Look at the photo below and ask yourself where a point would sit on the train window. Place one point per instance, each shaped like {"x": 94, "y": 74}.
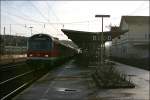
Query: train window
{"x": 40, "y": 44}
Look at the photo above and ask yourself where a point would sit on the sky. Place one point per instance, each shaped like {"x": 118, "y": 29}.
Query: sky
{"x": 51, "y": 16}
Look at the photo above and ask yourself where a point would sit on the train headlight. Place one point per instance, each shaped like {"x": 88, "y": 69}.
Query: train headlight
{"x": 46, "y": 55}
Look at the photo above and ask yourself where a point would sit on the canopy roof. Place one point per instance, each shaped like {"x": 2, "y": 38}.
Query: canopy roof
{"x": 79, "y": 37}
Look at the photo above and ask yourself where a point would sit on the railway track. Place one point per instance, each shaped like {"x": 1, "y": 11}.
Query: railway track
{"x": 7, "y": 66}
{"x": 10, "y": 70}
{"x": 14, "y": 78}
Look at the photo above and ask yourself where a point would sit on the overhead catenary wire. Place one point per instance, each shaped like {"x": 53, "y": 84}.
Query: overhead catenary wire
{"x": 19, "y": 25}
{"x": 41, "y": 23}
{"x": 48, "y": 22}
{"x": 23, "y": 18}
{"x": 137, "y": 9}
{"x": 43, "y": 16}
{"x": 50, "y": 7}
{"x": 28, "y": 18}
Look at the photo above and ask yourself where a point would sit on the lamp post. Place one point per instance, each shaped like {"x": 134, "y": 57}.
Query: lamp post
{"x": 102, "y": 38}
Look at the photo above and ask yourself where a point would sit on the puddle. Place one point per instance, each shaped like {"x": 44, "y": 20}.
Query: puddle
{"x": 68, "y": 78}
{"x": 117, "y": 96}
{"x": 69, "y": 90}
{"x": 132, "y": 75}
{"x": 68, "y": 67}
{"x": 61, "y": 89}
{"x": 44, "y": 99}
{"x": 66, "y": 90}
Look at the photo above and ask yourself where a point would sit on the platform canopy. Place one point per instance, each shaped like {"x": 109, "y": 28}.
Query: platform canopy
{"x": 79, "y": 37}
{"x": 75, "y": 35}
{"x": 83, "y": 36}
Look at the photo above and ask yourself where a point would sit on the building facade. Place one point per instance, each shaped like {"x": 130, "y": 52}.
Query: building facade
{"x": 90, "y": 45}
{"x": 133, "y": 44}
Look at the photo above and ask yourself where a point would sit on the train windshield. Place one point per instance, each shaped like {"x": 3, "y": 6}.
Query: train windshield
{"x": 39, "y": 44}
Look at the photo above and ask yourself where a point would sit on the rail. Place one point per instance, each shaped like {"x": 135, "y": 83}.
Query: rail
{"x": 10, "y": 84}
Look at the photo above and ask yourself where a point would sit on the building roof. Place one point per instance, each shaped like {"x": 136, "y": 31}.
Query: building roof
{"x": 75, "y": 35}
{"x": 82, "y": 35}
{"x": 135, "y": 19}
{"x": 116, "y": 31}
{"x": 79, "y": 37}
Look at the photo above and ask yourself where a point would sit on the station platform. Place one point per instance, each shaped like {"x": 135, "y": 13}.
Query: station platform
{"x": 71, "y": 82}
{"x": 68, "y": 82}
{"x": 137, "y": 76}
{"x": 6, "y": 59}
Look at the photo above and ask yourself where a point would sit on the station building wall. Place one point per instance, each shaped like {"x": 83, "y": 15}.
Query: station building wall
{"x": 134, "y": 43}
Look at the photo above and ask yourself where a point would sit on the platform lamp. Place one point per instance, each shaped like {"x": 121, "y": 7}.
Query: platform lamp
{"x": 102, "y": 38}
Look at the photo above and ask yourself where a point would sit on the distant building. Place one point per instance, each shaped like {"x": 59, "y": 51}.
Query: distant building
{"x": 10, "y": 44}
{"x": 135, "y": 42}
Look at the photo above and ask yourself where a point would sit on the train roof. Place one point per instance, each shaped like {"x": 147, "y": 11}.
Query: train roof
{"x": 53, "y": 38}
{"x": 40, "y": 34}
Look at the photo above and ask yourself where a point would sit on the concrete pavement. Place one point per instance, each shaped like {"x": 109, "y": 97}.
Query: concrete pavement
{"x": 68, "y": 82}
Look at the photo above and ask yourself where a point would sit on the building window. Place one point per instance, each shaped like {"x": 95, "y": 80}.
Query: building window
{"x": 109, "y": 38}
{"x": 145, "y": 35}
{"x": 94, "y": 37}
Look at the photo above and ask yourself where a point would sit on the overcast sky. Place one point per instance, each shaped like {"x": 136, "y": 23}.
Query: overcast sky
{"x": 51, "y": 16}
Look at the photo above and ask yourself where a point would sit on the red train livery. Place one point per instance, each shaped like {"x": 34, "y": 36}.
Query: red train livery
{"x": 45, "y": 49}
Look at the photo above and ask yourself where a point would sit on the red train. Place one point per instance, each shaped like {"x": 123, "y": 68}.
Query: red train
{"x": 45, "y": 49}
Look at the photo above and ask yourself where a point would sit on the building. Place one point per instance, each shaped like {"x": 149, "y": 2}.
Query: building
{"x": 134, "y": 43}
{"x": 89, "y": 43}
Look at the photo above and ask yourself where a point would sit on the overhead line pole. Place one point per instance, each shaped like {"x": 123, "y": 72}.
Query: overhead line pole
{"x": 102, "y": 39}
{"x": 31, "y": 30}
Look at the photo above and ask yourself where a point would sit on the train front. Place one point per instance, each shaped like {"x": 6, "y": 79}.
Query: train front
{"x": 39, "y": 49}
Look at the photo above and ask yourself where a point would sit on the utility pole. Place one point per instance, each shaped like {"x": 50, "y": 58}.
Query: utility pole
{"x": 102, "y": 39}
{"x": 10, "y": 29}
{"x": 4, "y": 40}
{"x": 4, "y": 36}
{"x": 63, "y": 26}
{"x": 1, "y": 45}
{"x": 10, "y": 34}
{"x": 31, "y": 30}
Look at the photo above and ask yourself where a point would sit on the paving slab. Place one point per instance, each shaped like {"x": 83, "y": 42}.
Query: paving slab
{"x": 69, "y": 83}
{"x": 138, "y": 76}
